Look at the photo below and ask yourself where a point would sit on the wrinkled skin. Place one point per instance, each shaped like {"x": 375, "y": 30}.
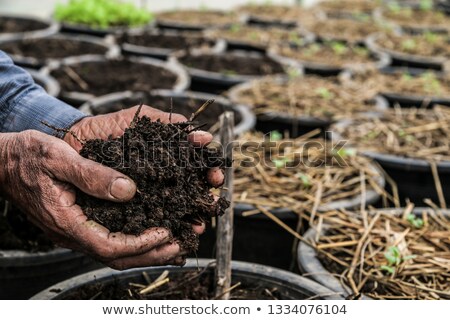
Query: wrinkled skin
{"x": 39, "y": 172}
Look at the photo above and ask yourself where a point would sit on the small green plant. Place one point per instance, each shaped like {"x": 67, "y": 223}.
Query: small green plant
{"x": 409, "y": 44}
{"x": 280, "y": 163}
{"x": 394, "y": 7}
{"x": 372, "y": 135}
{"x": 102, "y": 13}
{"x": 306, "y": 181}
{"x": 293, "y": 73}
{"x": 235, "y": 28}
{"x": 276, "y": 135}
{"x": 253, "y": 35}
{"x": 432, "y": 84}
{"x": 394, "y": 258}
{"x": 295, "y": 39}
{"x": 312, "y": 49}
{"x": 406, "y": 77}
{"x": 361, "y": 51}
{"x": 339, "y": 48}
{"x": 416, "y": 222}
{"x": 431, "y": 37}
{"x": 426, "y": 5}
{"x": 324, "y": 93}
{"x": 345, "y": 152}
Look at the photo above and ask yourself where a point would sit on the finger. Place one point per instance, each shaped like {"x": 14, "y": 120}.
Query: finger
{"x": 109, "y": 246}
{"x": 91, "y": 177}
{"x": 215, "y": 177}
{"x": 199, "y": 229}
{"x": 163, "y": 255}
{"x": 200, "y": 138}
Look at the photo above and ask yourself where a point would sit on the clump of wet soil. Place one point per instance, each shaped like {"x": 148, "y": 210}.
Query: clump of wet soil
{"x": 12, "y": 25}
{"x": 167, "y": 41}
{"x": 170, "y": 174}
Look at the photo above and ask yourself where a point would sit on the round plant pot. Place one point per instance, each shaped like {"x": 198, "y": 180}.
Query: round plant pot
{"x": 174, "y": 41}
{"x": 380, "y": 60}
{"x": 184, "y": 103}
{"x": 289, "y": 285}
{"x": 263, "y": 22}
{"x": 179, "y": 79}
{"x": 217, "y": 81}
{"x": 23, "y": 274}
{"x": 50, "y": 85}
{"x": 296, "y": 126}
{"x": 413, "y": 177}
{"x": 85, "y": 45}
{"x": 258, "y": 239}
{"x": 311, "y": 267}
{"x": 25, "y": 26}
{"x": 407, "y": 60}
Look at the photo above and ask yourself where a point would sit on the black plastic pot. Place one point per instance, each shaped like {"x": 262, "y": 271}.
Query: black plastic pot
{"x": 296, "y": 126}
{"x": 164, "y": 53}
{"x": 184, "y": 103}
{"x": 39, "y": 27}
{"x": 258, "y": 239}
{"x": 23, "y": 274}
{"x": 47, "y": 82}
{"x": 399, "y": 59}
{"x": 78, "y": 98}
{"x": 413, "y": 177}
{"x": 104, "y": 45}
{"x": 380, "y": 60}
{"x": 217, "y": 82}
{"x": 260, "y": 21}
{"x": 289, "y": 285}
{"x": 313, "y": 268}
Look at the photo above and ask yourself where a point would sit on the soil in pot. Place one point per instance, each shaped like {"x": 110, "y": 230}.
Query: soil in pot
{"x": 359, "y": 8}
{"x": 417, "y": 18}
{"x": 290, "y": 178}
{"x": 195, "y": 19}
{"x": 405, "y": 254}
{"x": 17, "y": 233}
{"x": 170, "y": 177}
{"x": 411, "y": 145}
{"x": 329, "y": 57}
{"x": 103, "y": 77}
{"x": 175, "y": 41}
{"x": 348, "y": 30}
{"x": 310, "y": 97}
{"x": 277, "y": 15}
{"x": 45, "y": 48}
{"x": 17, "y": 24}
{"x": 240, "y": 36}
{"x": 402, "y": 87}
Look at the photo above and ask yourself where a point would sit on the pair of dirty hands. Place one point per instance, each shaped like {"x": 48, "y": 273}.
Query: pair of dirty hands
{"x": 39, "y": 173}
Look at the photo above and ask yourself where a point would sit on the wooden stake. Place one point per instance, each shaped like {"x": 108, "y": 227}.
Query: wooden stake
{"x": 225, "y": 223}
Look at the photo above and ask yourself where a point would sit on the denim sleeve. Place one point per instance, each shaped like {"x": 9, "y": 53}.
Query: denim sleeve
{"x": 24, "y": 104}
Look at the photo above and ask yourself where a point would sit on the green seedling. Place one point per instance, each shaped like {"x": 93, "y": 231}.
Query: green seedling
{"x": 431, "y": 83}
{"x": 361, "y": 51}
{"x": 431, "y": 37}
{"x": 293, "y": 73}
{"x": 235, "y": 28}
{"x": 276, "y": 135}
{"x": 406, "y": 77}
{"x": 324, "y": 93}
{"x": 416, "y": 222}
{"x": 339, "y": 48}
{"x": 102, "y": 13}
{"x": 345, "y": 152}
{"x": 409, "y": 44}
{"x": 253, "y": 35}
{"x": 394, "y": 7}
{"x": 312, "y": 49}
{"x": 280, "y": 163}
{"x": 426, "y": 5}
{"x": 394, "y": 258}
{"x": 372, "y": 135}
{"x": 306, "y": 181}
{"x": 294, "y": 38}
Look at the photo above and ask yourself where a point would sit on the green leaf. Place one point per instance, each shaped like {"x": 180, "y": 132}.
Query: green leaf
{"x": 275, "y": 136}
{"x": 324, "y": 93}
{"x": 426, "y": 5}
{"x": 409, "y": 44}
{"x": 339, "y": 48}
{"x": 305, "y": 180}
{"x": 280, "y": 163}
{"x": 388, "y": 269}
{"x": 416, "y": 222}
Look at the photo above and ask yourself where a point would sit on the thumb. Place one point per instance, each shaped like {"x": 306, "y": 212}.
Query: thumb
{"x": 93, "y": 178}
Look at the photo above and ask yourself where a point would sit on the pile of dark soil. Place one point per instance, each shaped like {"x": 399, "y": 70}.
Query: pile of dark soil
{"x": 168, "y": 41}
{"x": 192, "y": 285}
{"x": 17, "y": 233}
{"x": 197, "y": 18}
{"x": 230, "y": 64}
{"x": 12, "y": 25}
{"x": 56, "y": 48}
{"x": 105, "y": 77}
{"x": 171, "y": 180}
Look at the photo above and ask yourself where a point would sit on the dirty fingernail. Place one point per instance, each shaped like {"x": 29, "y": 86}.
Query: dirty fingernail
{"x": 122, "y": 189}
